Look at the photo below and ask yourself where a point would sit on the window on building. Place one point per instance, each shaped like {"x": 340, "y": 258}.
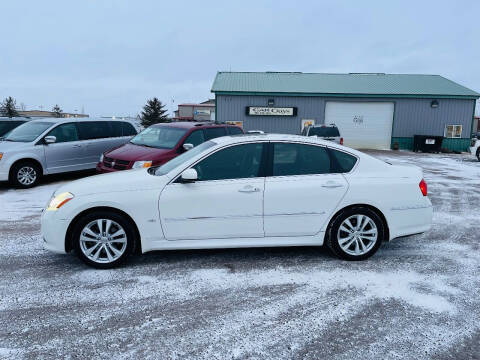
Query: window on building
{"x": 453, "y": 131}
{"x": 299, "y": 159}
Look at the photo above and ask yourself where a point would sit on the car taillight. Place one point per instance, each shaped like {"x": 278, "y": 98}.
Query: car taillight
{"x": 341, "y": 141}
{"x": 423, "y": 187}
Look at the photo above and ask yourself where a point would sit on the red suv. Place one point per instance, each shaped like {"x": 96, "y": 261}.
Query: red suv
{"x": 160, "y": 143}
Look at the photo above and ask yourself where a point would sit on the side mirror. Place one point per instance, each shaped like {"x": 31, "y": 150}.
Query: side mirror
{"x": 187, "y": 147}
{"x": 50, "y": 139}
{"x": 189, "y": 176}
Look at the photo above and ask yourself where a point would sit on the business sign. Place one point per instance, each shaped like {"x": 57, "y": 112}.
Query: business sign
{"x": 306, "y": 123}
{"x": 238, "y": 123}
{"x": 202, "y": 112}
{"x": 270, "y": 111}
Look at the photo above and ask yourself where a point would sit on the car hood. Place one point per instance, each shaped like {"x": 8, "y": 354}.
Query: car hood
{"x": 13, "y": 145}
{"x": 121, "y": 182}
{"x": 131, "y": 152}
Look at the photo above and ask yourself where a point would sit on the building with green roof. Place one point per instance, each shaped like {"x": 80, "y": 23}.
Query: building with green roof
{"x": 371, "y": 110}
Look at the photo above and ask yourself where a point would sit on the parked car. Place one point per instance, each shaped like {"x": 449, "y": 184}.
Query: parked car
{"x": 325, "y": 132}
{"x": 160, "y": 143}
{"x": 8, "y": 124}
{"x": 50, "y": 146}
{"x": 241, "y": 191}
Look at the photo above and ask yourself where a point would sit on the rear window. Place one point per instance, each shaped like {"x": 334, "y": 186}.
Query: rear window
{"x": 128, "y": 129}
{"x": 94, "y": 130}
{"x": 6, "y": 126}
{"x": 212, "y": 133}
{"x": 343, "y": 162}
{"x": 324, "y": 131}
{"x": 120, "y": 128}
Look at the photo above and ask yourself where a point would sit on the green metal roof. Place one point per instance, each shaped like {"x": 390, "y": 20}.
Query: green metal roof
{"x": 356, "y": 84}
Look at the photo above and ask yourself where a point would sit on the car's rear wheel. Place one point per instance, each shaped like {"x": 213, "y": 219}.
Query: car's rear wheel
{"x": 25, "y": 174}
{"x": 103, "y": 239}
{"x": 356, "y": 234}
{"x": 478, "y": 154}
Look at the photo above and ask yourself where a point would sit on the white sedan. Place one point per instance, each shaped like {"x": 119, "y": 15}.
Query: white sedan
{"x": 241, "y": 191}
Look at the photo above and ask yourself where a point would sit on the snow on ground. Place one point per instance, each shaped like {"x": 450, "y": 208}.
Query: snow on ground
{"x": 417, "y": 298}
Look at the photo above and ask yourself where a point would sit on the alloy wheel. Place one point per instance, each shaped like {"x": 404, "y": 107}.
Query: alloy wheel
{"x": 103, "y": 241}
{"x": 357, "y": 235}
{"x": 26, "y": 175}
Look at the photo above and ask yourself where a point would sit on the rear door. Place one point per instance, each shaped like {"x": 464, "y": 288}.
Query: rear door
{"x": 302, "y": 192}
{"x": 96, "y": 139}
{"x": 67, "y": 153}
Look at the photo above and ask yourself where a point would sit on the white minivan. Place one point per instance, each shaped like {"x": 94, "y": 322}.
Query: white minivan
{"x": 57, "y": 145}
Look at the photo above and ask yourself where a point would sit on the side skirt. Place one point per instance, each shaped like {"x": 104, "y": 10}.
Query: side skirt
{"x": 277, "y": 241}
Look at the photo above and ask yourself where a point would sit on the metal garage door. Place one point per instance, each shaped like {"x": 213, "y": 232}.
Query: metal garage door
{"x": 363, "y": 125}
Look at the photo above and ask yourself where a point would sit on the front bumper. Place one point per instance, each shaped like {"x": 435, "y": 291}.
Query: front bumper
{"x": 54, "y": 231}
{"x": 3, "y": 175}
{"x": 102, "y": 169}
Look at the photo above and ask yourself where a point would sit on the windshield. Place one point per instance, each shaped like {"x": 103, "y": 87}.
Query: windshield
{"x": 28, "y": 132}
{"x": 324, "y": 131}
{"x": 172, "y": 164}
{"x": 161, "y": 137}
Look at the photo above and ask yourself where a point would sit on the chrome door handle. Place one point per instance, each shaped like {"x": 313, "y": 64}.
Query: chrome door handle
{"x": 331, "y": 185}
{"x": 77, "y": 146}
{"x": 249, "y": 189}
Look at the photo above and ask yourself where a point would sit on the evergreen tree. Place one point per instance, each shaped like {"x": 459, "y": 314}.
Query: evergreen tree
{"x": 57, "y": 111}
{"x": 7, "y": 108}
{"x": 154, "y": 112}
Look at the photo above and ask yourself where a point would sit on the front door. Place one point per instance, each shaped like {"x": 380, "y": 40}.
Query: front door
{"x": 302, "y": 192}
{"x": 225, "y": 202}
{"x": 67, "y": 153}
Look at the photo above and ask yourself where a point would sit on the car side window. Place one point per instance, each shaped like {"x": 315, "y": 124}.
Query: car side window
{"x": 234, "y": 130}
{"x": 195, "y": 138}
{"x": 116, "y": 127}
{"x": 212, "y": 133}
{"x": 299, "y": 159}
{"x": 128, "y": 129}
{"x": 65, "y": 133}
{"x": 94, "y": 130}
{"x": 234, "y": 162}
{"x": 343, "y": 162}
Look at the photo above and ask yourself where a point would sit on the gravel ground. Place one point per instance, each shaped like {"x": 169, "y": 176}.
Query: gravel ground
{"x": 417, "y": 298}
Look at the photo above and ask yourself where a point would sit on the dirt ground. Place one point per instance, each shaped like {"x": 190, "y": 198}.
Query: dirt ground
{"x": 417, "y": 298}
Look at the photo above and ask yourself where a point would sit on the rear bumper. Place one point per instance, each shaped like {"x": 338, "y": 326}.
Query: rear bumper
{"x": 410, "y": 221}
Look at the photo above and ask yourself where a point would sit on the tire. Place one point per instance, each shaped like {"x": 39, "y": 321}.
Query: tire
{"x": 356, "y": 244}
{"x": 25, "y": 174}
{"x": 478, "y": 154}
{"x": 101, "y": 248}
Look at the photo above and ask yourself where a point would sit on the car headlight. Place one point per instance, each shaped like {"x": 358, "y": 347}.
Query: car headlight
{"x": 142, "y": 164}
{"x": 57, "y": 201}
{"x": 101, "y": 158}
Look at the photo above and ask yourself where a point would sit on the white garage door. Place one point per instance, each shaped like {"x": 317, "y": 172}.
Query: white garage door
{"x": 363, "y": 125}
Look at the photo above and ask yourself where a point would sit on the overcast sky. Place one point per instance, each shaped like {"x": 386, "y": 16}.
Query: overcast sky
{"x": 110, "y": 56}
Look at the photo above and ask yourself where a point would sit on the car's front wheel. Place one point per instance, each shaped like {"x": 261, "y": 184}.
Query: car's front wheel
{"x": 356, "y": 234}
{"x": 103, "y": 239}
{"x": 478, "y": 154}
{"x": 25, "y": 174}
